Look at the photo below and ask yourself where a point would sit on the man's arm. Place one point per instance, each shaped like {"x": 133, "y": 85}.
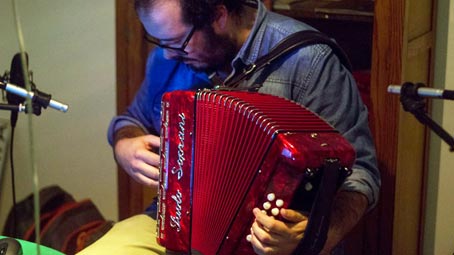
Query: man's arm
{"x": 348, "y": 208}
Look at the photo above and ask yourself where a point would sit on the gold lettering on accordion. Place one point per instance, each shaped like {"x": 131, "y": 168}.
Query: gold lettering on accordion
{"x": 179, "y": 171}
{"x": 175, "y": 220}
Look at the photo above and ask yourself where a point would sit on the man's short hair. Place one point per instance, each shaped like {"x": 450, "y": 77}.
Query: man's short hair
{"x": 199, "y": 13}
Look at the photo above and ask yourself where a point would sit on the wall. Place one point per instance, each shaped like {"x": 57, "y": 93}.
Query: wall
{"x": 71, "y": 46}
{"x": 439, "y": 223}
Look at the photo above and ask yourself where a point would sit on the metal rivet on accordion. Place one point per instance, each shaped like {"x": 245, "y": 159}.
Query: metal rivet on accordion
{"x": 314, "y": 135}
{"x": 348, "y": 171}
{"x": 309, "y": 172}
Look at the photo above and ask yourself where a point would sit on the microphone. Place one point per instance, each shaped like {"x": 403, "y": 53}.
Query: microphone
{"x": 37, "y": 96}
{"x": 16, "y": 77}
{"x": 17, "y": 93}
{"x": 418, "y": 89}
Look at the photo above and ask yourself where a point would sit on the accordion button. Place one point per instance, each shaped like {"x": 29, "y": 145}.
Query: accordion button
{"x": 275, "y": 211}
{"x": 279, "y": 203}
{"x": 266, "y": 205}
{"x": 271, "y": 197}
{"x": 249, "y": 238}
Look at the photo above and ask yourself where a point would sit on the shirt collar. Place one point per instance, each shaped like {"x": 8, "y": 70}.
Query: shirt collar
{"x": 250, "y": 50}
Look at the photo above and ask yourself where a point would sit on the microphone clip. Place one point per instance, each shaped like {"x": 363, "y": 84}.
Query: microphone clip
{"x": 411, "y": 101}
{"x": 415, "y": 104}
{"x": 39, "y": 100}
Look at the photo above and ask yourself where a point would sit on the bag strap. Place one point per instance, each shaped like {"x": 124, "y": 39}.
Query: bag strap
{"x": 294, "y": 41}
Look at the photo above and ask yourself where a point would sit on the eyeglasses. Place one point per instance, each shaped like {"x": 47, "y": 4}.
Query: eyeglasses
{"x": 179, "y": 50}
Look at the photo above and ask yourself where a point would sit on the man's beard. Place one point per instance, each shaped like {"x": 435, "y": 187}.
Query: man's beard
{"x": 219, "y": 52}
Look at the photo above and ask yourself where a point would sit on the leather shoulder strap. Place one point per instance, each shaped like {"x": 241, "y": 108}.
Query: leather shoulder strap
{"x": 294, "y": 41}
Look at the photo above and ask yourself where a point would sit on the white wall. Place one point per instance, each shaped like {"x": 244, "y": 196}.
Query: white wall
{"x": 439, "y": 227}
{"x": 71, "y": 46}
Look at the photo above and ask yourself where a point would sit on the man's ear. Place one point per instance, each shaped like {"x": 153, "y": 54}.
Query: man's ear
{"x": 220, "y": 19}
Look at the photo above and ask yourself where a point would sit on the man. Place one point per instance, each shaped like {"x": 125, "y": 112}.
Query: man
{"x": 202, "y": 41}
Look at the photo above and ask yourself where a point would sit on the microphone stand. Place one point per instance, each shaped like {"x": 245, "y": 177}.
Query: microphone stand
{"x": 12, "y": 107}
{"x": 416, "y": 105}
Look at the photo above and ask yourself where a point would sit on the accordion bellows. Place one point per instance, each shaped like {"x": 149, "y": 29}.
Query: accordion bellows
{"x": 224, "y": 153}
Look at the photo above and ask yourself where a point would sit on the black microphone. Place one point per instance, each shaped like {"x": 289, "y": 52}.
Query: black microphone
{"x": 16, "y": 76}
{"x": 418, "y": 89}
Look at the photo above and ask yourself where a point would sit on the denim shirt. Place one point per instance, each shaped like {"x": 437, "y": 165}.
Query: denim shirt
{"x": 312, "y": 76}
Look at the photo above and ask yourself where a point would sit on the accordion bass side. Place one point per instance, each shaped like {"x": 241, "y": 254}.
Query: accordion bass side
{"x": 224, "y": 153}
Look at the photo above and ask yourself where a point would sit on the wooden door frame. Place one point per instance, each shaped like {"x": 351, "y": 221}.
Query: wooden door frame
{"x": 131, "y": 52}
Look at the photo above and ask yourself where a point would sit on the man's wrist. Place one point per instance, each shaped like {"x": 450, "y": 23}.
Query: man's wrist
{"x": 127, "y": 132}
{"x": 348, "y": 209}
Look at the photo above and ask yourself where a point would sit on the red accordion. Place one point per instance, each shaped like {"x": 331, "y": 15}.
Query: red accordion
{"x": 224, "y": 153}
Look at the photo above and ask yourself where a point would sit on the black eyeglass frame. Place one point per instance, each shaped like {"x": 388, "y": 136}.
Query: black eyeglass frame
{"x": 180, "y": 49}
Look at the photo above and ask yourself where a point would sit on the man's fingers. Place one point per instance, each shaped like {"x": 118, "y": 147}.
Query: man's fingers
{"x": 268, "y": 223}
{"x": 292, "y": 215}
{"x": 263, "y": 235}
{"x": 149, "y": 157}
{"x": 153, "y": 141}
{"x": 146, "y": 181}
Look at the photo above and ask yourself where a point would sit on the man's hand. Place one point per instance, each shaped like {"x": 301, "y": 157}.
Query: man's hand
{"x": 138, "y": 157}
{"x": 271, "y": 236}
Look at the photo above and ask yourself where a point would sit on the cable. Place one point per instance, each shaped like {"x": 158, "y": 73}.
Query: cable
{"x": 30, "y": 129}
{"x": 13, "y": 182}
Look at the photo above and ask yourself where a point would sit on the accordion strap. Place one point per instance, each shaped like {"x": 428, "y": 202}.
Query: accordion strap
{"x": 316, "y": 231}
{"x": 294, "y": 41}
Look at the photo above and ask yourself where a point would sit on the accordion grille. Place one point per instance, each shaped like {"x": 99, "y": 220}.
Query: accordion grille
{"x": 233, "y": 131}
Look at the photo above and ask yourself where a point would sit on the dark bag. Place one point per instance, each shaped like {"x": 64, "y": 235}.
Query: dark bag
{"x": 66, "y": 225}
{"x": 20, "y": 220}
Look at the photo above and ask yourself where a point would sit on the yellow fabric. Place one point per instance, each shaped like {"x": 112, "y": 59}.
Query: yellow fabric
{"x": 133, "y": 236}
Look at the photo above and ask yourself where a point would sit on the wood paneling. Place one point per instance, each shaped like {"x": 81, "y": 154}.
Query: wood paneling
{"x": 387, "y": 56}
{"x": 131, "y": 56}
{"x": 401, "y": 52}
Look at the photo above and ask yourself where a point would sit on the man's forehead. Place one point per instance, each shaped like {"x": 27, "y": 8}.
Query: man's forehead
{"x": 164, "y": 12}
{"x": 163, "y": 19}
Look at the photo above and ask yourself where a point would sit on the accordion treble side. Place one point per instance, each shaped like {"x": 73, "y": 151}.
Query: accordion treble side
{"x": 224, "y": 153}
